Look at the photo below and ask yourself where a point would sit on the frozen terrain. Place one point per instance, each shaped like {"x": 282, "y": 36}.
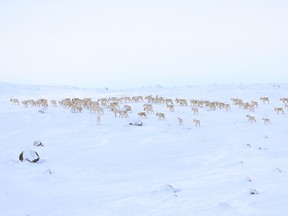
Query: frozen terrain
{"x": 227, "y": 166}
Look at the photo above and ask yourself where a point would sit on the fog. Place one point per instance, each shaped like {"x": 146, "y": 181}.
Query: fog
{"x": 139, "y": 43}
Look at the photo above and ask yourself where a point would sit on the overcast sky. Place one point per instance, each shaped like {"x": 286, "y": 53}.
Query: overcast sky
{"x": 132, "y": 43}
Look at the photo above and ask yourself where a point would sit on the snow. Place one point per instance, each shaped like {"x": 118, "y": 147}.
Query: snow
{"x": 227, "y": 166}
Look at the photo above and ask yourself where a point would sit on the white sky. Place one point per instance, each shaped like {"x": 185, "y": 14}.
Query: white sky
{"x": 131, "y": 43}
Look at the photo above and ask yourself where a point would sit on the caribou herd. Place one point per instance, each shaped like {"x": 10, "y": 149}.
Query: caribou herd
{"x": 113, "y": 104}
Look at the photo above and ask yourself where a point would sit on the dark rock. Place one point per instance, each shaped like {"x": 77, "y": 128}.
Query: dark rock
{"x": 136, "y": 123}
{"x": 29, "y": 155}
{"x": 253, "y": 191}
{"x": 38, "y": 143}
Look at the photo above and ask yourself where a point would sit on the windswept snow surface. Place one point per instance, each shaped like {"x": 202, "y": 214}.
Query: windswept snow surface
{"x": 160, "y": 168}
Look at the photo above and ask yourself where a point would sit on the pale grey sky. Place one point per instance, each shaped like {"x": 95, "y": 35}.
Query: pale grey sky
{"x": 132, "y": 43}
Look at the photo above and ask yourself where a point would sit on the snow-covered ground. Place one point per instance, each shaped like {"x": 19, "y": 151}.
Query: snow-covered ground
{"x": 160, "y": 168}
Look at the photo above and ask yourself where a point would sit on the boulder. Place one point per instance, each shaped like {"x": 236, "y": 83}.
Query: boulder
{"x": 253, "y": 191}
{"x": 136, "y": 123}
{"x": 42, "y": 110}
{"x": 38, "y": 143}
{"x": 29, "y": 155}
